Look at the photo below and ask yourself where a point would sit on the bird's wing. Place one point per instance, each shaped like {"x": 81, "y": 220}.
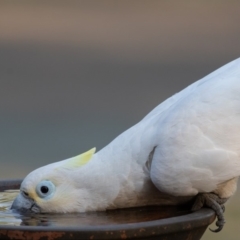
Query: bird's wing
{"x": 198, "y": 135}
{"x": 225, "y": 70}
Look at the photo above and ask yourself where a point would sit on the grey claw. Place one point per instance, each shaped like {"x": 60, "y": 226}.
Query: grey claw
{"x": 220, "y": 225}
{"x": 223, "y": 208}
{"x": 213, "y": 201}
{"x": 216, "y": 230}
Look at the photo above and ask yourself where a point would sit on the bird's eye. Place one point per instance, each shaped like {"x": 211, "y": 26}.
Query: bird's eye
{"x": 45, "y": 189}
{"x": 25, "y": 193}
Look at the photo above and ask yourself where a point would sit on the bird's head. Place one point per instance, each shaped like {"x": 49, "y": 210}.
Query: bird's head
{"x": 57, "y": 187}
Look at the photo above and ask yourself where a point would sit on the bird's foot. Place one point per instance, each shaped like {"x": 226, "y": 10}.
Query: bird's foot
{"x": 214, "y": 202}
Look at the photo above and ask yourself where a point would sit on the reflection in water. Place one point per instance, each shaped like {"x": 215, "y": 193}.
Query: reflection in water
{"x": 133, "y": 215}
{"x": 6, "y": 198}
{"x": 6, "y": 215}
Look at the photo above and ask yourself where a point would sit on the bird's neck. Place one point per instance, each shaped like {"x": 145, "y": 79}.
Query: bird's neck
{"x": 122, "y": 164}
{"x": 118, "y": 176}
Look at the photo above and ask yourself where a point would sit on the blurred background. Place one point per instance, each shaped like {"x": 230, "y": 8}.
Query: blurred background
{"x": 75, "y": 74}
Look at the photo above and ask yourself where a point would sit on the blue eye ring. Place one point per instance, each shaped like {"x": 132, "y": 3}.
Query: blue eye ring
{"x": 45, "y": 189}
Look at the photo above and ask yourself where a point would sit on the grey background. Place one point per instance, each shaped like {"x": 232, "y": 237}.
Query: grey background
{"x": 75, "y": 74}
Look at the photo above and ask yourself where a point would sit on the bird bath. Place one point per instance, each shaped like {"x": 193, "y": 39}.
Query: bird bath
{"x": 135, "y": 223}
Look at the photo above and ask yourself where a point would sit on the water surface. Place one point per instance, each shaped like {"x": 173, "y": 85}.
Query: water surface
{"x": 7, "y": 217}
{"x": 120, "y": 216}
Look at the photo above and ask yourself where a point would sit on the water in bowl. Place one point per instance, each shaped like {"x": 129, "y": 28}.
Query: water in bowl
{"x": 131, "y": 215}
{"x": 7, "y": 217}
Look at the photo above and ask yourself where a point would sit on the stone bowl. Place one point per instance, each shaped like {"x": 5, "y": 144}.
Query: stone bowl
{"x": 174, "y": 222}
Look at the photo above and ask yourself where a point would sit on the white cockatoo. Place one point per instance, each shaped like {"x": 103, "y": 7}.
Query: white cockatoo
{"x": 188, "y": 146}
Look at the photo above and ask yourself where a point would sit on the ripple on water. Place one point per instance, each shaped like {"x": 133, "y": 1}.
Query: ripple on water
{"x": 7, "y": 217}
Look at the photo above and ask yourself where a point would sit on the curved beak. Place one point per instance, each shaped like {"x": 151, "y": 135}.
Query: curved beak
{"x": 24, "y": 204}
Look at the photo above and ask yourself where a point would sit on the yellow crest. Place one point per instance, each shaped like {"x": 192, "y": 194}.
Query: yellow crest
{"x": 81, "y": 159}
